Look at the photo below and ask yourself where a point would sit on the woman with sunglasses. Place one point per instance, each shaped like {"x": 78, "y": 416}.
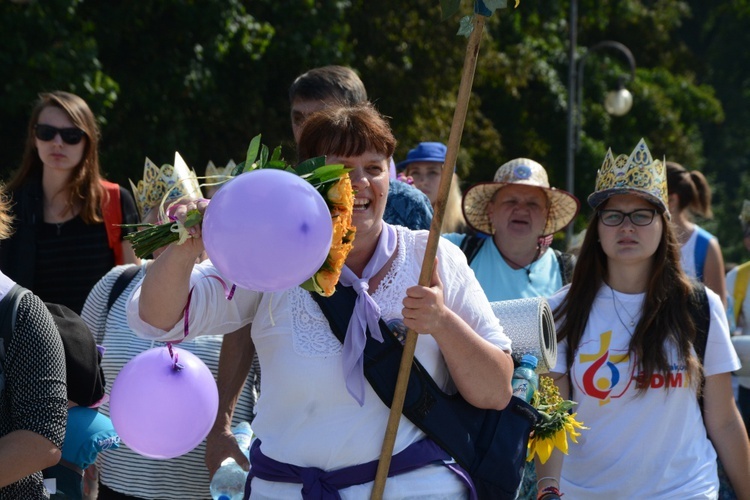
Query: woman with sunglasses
{"x": 627, "y": 355}
{"x": 61, "y": 246}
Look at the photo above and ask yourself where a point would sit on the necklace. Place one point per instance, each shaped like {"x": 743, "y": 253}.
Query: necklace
{"x": 519, "y": 266}
{"x": 615, "y": 302}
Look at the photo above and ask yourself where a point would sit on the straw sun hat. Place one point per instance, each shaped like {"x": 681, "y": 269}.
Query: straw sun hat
{"x": 563, "y": 206}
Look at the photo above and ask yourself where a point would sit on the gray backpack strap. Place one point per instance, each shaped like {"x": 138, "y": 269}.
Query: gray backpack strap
{"x": 566, "y": 262}
{"x": 121, "y": 283}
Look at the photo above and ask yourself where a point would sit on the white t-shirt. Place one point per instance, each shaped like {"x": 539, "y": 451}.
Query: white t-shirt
{"x": 305, "y": 415}
{"x": 744, "y": 314}
{"x": 652, "y": 445}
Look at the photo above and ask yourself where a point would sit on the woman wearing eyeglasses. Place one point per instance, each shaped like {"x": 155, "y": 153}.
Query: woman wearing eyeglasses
{"x": 61, "y": 246}
{"x": 626, "y": 355}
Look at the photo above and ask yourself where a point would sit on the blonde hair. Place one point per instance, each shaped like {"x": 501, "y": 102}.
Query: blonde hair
{"x": 6, "y": 218}
{"x": 453, "y": 218}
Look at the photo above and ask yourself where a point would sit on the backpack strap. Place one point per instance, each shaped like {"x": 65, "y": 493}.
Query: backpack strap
{"x": 449, "y": 420}
{"x": 470, "y": 246}
{"x": 701, "y": 250}
{"x": 121, "y": 283}
{"x": 741, "y": 282}
{"x": 381, "y": 366}
{"x": 700, "y": 312}
{"x": 8, "y": 312}
{"x": 112, "y": 214}
{"x": 567, "y": 262}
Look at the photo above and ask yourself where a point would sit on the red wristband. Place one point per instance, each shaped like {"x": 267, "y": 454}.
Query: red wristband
{"x": 551, "y": 490}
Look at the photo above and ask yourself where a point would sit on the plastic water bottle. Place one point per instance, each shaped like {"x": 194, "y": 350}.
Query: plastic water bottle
{"x": 229, "y": 481}
{"x": 525, "y": 380}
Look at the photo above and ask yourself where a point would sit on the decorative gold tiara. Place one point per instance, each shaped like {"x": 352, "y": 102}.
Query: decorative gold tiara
{"x": 214, "y": 174}
{"x": 638, "y": 174}
{"x": 164, "y": 184}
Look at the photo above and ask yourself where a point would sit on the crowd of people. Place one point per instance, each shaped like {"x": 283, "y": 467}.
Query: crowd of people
{"x": 645, "y": 318}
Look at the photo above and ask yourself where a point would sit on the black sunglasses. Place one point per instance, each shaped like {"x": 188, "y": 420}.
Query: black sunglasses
{"x": 71, "y": 135}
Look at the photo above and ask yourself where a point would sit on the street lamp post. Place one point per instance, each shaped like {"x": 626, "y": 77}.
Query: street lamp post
{"x": 617, "y": 102}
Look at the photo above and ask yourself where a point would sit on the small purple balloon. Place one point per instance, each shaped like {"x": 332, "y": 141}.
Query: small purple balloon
{"x": 267, "y": 230}
{"x": 161, "y": 410}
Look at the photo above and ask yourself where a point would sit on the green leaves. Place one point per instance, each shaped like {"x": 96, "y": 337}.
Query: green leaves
{"x": 151, "y": 237}
{"x": 193, "y": 218}
{"x": 252, "y": 151}
{"x": 466, "y": 26}
{"x": 325, "y": 174}
{"x": 449, "y": 7}
{"x": 310, "y": 164}
{"x": 257, "y": 158}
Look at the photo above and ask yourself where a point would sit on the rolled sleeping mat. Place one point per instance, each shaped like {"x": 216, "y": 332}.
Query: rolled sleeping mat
{"x": 742, "y": 346}
{"x": 531, "y": 327}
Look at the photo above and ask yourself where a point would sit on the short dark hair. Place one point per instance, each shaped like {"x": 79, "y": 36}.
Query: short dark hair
{"x": 337, "y": 83}
{"x": 346, "y": 131}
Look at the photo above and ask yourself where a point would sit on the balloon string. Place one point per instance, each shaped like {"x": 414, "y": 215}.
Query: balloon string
{"x": 270, "y": 311}
{"x": 176, "y": 366}
{"x": 228, "y": 294}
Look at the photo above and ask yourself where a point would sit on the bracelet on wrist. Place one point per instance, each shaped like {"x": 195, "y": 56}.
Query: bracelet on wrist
{"x": 539, "y": 482}
{"x": 549, "y": 491}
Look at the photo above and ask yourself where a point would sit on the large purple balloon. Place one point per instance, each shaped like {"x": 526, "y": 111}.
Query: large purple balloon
{"x": 267, "y": 230}
{"x": 159, "y": 411}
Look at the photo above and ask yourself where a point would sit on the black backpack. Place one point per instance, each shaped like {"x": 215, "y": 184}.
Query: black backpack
{"x": 84, "y": 374}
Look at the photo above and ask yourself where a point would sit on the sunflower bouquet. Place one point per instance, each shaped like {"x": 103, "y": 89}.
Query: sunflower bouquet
{"x": 340, "y": 199}
{"x": 556, "y": 424}
{"x": 331, "y": 181}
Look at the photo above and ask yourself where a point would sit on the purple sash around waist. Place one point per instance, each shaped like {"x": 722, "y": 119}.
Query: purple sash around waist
{"x": 318, "y": 484}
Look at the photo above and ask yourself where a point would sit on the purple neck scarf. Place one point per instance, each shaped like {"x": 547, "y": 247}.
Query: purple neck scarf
{"x": 366, "y": 313}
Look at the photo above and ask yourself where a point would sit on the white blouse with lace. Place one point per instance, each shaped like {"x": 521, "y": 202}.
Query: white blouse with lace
{"x": 305, "y": 416}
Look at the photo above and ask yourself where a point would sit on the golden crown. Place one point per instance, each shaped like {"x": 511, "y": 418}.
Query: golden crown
{"x": 745, "y": 212}
{"x": 637, "y": 174}
{"x": 164, "y": 184}
{"x": 214, "y": 174}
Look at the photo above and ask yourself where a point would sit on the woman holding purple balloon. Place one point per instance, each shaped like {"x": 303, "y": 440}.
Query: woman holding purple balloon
{"x": 316, "y": 412}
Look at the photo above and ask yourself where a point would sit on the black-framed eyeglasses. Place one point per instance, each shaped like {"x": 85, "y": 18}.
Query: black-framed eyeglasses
{"x": 70, "y": 135}
{"x": 640, "y": 217}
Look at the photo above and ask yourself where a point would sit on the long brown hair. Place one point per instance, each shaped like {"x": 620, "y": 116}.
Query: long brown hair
{"x": 664, "y": 319}
{"x": 692, "y": 189}
{"x": 83, "y": 185}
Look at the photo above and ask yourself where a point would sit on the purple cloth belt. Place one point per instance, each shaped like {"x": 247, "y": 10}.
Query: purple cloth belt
{"x": 318, "y": 484}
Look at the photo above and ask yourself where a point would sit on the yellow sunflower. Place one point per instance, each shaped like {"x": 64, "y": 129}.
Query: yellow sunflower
{"x": 556, "y": 424}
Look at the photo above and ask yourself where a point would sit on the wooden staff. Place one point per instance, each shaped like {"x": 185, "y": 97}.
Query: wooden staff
{"x": 454, "y": 141}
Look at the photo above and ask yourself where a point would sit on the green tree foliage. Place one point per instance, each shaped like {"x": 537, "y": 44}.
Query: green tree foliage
{"x": 46, "y": 46}
{"x": 204, "y": 77}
